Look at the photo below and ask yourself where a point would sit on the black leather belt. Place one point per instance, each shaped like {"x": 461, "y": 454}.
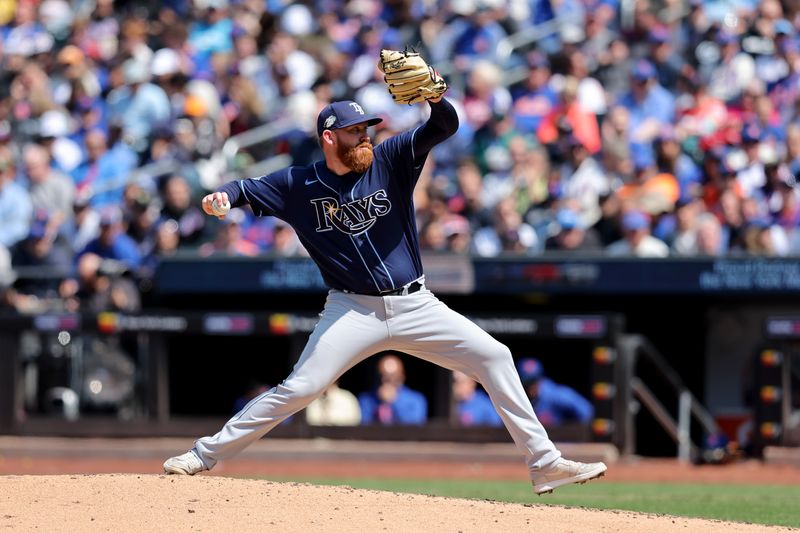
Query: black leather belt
{"x": 413, "y": 287}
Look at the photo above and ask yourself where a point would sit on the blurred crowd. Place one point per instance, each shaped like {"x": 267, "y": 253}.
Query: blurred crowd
{"x": 647, "y": 128}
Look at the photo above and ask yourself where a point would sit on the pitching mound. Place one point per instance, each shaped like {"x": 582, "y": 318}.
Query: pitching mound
{"x": 157, "y": 503}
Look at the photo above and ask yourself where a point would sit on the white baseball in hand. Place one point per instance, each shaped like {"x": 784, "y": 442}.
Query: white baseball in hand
{"x": 219, "y": 208}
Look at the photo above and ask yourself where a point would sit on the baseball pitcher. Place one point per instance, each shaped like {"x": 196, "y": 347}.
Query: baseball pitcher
{"x": 354, "y": 214}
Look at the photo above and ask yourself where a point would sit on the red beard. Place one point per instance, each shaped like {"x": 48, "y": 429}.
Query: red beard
{"x": 357, "y": 159}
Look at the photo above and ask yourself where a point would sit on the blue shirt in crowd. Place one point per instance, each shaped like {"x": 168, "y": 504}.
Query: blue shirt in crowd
{"x": 478, "y": 411}
{"x": 556, "y": 404}
{"x": 409, "y": 407}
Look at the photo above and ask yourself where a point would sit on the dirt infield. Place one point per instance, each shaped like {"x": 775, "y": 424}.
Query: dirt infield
{"x": 282, "y": 458}
{"x": 116, "y": 485}
{"x": 157, "y": 503}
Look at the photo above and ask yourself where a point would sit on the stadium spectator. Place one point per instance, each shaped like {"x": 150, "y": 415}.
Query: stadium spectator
{"x": 16, "y": 208}
{"x": 178, "y": 206}
{"x": 138, "y": 105}
{"x": 571, "y": 235}
{"x": 582, "y": 179}
{"x": 100, "y": 175}
{"x": 508, "y": 234}
{"x": 45, "y": 249}
{"x": 392, "y": 402}
{"x": 165, "y": 243}
{"x": 253, "y": 389}
{"x": 51, "y": 191}
{"x": 168, "y": 84}
{"x": 581, "y": 121}
{"x": 650, "y": 105}
{"x": 229, "y": 240}
{"x": 637, "y": 240}
{"x": 336, "y": 407}
{"x": 285, "y": 242}
{"x": 536, "y": 98}
{"x": 100, "y": 285}
{"x": 112, "y": 242}
{"x": 472, "y": 404}
{"x": 553, "y": 403}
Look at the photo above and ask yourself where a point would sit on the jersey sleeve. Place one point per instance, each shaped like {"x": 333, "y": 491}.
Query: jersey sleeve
{"x": 266, "y": 194}
{"x": 405, "y": 153}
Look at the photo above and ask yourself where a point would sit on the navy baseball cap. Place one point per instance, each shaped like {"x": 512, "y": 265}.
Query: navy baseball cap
{"x": 644, "y": 70}
{"x": 342, "y": 114}
{"x": 529, "y": 370}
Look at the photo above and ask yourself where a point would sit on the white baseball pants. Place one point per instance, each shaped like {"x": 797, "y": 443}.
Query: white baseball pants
{"x": 353, "y": 327}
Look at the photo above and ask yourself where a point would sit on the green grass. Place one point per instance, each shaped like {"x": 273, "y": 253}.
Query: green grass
{"x": 759, "y": 504}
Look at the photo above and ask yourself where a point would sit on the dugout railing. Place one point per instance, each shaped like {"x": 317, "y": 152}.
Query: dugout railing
{"x": 675, "y": 418}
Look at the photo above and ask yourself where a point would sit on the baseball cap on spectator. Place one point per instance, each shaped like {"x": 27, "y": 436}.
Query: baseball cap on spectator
{"x": 727, "y": 168}
{"x": 568, "y": 219}
{"x": 658, "y": 35}
{"x": 455, "y": 225}
{"x": 135, "y": 71}
{"x": 53, "y": 124}
{"x": 666, "y": 133}
{"x": 538, "y": 60}
{"x": 84, "y": 104}
{"x": 687, "y": 197}
{"x": 165, "y": 62}
{"x": 82, "y": 199}
{"x": 725, "y": 37}
{"x": 783, "y": 27}
{"x": 341, "y": 114}
{"x": 635, "y": 221}
{"x": 715, "y": 153}
{"x": 643, "y": 70}
{"x": 38, "y": 230}
{"x": 297, "y": 20}
{"x": 768, "y": 155}
{"x": 530, "y": 370}
{"x": 572, "y": 34}
{"x": 572, "y": 141}
{"x": 751, "y": 133}
{"x": 110, "y": 215}
{"x": 210, "y": 4}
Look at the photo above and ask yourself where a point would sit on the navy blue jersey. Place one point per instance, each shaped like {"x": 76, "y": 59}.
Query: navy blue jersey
{"x": 360, "y": 229}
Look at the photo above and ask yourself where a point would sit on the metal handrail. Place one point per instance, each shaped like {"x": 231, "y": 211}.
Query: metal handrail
{"x": 528, "y": 36}
{"x": 254, "y": 136}
{"x": 677, "y": 429}
{"x": 632, "y": 346}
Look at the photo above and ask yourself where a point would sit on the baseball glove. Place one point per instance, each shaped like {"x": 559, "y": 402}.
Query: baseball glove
{"x": 409, "y": 78}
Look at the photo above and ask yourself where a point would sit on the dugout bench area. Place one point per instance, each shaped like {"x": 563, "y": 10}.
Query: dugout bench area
{"x": 175, "y": 374}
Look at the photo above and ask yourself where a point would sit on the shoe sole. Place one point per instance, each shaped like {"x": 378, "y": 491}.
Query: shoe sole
{"x": 579, "y": 480}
